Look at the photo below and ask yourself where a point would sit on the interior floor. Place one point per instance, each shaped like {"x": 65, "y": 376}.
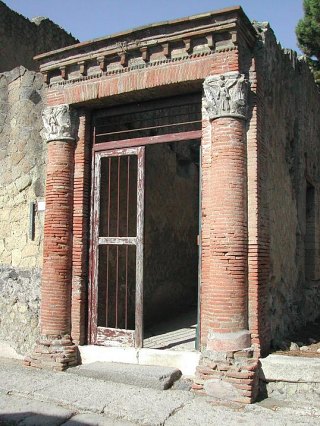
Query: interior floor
{"x": 178, "y": 333}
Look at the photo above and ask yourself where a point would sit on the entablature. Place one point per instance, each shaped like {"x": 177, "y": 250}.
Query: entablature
{"x": 152, "y": 45}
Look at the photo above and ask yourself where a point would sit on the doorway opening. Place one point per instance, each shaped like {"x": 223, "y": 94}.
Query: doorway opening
{"x": 145, "y": 225}
{"x": 171, "y": 228}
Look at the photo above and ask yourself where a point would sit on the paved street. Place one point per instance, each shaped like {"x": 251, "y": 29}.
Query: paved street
{"x": 34, "y": 397}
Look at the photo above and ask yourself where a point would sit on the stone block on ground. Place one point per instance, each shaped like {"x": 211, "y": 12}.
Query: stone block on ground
{"x": 290, "y": 369}
{"x": 149, "y": 376}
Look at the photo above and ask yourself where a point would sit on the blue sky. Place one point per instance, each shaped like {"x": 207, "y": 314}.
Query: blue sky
{"x": 87, "y": 19}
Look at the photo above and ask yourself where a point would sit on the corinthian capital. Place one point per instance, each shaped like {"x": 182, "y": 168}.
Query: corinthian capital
{"x": 60, "y": 123}
{"x": 226, "y": 95}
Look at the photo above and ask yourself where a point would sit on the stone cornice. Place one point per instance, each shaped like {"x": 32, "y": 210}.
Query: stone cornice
{"x": 93, "y": 77}
{"x": 199, "y": 34}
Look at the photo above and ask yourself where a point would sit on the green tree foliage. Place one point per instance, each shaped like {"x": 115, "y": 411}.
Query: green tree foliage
{"x": 308, "y": 34}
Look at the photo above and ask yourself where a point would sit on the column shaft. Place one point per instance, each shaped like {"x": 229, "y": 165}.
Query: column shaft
{"x": 224, "y": 295}
{"x": 56, "y": 276}
{"x": 228, "y": 272}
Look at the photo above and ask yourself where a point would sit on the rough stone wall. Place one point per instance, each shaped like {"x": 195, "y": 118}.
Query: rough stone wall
{"x": 22, "y": 164}
{"x": 290, "y": 110}
{"x": 19, "y": 307}
{"x": 22, "y": 39}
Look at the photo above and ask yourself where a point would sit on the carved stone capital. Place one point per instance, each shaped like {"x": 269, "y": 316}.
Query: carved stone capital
{"x": 60, "y": 123}
{"x": 226, "y": 95}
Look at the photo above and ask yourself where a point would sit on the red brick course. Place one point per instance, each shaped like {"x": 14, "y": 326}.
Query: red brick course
{"x": 127, "y": 83}
{"x": 258, "y": 238}
{"x": 81, "y": 211}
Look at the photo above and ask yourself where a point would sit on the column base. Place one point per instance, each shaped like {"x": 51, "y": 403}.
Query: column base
{"x": 225, "y": 342}
{"x": 54, "y": 353}
{"x": 227, "y": 369}
{"x": 231, "y": 376}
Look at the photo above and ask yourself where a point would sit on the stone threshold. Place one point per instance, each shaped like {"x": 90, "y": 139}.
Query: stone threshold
{"x": 185, "y": 361}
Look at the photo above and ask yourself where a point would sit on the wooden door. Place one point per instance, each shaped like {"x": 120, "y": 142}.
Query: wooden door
{"x": 117, "y": 248}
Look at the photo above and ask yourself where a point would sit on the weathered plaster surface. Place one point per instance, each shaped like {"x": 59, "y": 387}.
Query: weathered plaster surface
{"x": 291, "y": 132}
{"x": 22, "y": 159}
{"x": 19, "y": 307}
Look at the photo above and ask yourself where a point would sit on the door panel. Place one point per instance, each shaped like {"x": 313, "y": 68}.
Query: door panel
{"x": 117, "y": 247}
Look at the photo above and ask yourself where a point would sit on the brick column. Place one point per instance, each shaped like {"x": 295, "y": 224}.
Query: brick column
{"x": 228, "y": 290}
{"x": 225, "y": 296}
{"x": 227, "y": 369}
{"x": 55, "y": 349}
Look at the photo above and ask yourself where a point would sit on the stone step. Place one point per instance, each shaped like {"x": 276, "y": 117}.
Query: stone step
{"x": 147, "y": 376}
{"x": 289, "y": 377}
{"x": 185, "y": 361}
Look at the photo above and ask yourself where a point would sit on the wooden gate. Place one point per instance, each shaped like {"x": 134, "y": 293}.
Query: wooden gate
{"x": 117, "y": 248}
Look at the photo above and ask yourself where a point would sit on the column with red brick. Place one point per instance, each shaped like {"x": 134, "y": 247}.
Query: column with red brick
{"x": 226, "y": 367}
{"x": 225, "y": 295}
{"x": 55, "y": 348}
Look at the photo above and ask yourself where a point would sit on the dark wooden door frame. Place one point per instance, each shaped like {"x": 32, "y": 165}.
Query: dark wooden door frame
{"x": 149, "y": 140}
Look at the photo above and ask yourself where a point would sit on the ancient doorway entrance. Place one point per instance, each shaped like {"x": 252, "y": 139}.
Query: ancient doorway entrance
{"x": 171, "y": 252}
{"x": 145, "y": 224}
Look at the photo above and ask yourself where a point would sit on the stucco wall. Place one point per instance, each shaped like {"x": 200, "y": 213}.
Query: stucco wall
{"x": 22, "y": 162}
{"x": 290, "y": 108}
{"x": 22, "y": 156}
